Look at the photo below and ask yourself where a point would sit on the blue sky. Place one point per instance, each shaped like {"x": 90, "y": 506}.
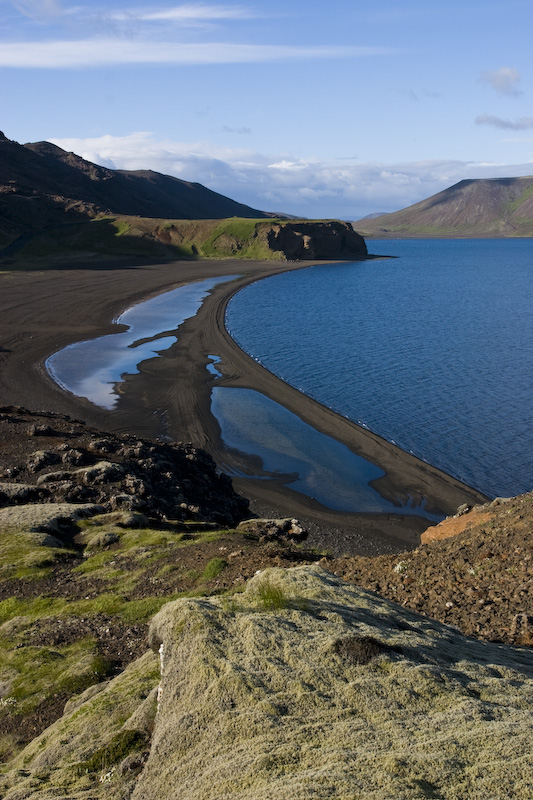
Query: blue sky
{"x": 335, "y": 109}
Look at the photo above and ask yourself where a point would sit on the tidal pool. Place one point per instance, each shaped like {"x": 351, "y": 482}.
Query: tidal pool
{"x": 94, "y": 368}
{"x": 313, "y": 463}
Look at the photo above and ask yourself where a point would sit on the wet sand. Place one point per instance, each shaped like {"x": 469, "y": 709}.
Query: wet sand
{"x": 44, "y": 311}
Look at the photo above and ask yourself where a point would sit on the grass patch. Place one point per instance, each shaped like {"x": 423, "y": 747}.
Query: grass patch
{"x": 146, "y": 537}
{"x": 271, "y": 596}
{"x": 20, "y": 557}
{"x": 94, "y": 563}
{"x": 38, "y": 673}
{"x": 214, "y": 568}
{"x": 515, "y": 204}
{"x": 35, "y": 608}
{"x": 144, "y": 609}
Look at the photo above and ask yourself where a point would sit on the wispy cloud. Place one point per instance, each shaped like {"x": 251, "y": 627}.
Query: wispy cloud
{"x": 504, "y": 80}
{"x": 241, "y": 130}
{"x": 190, "y": 12}
{"x": 104, "y": 52}
{"x": 284, "y": 182}
{"x": 522, "y": 124}
{"x": 38, "y": 9}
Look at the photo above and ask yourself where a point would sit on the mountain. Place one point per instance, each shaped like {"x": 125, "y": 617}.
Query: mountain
{"x": 41, "y": 186}
{"x": 495, "y": 207}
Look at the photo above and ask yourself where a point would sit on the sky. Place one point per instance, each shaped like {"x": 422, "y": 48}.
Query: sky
{"x": 317, "y": 109}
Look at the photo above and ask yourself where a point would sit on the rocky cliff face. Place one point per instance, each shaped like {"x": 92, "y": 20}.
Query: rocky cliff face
{"x": 309, "y": 240}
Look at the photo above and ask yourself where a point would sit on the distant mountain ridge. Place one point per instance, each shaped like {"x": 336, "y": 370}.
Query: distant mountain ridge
{"x": 486, "y": 207}
{"x": 42, "y": 185}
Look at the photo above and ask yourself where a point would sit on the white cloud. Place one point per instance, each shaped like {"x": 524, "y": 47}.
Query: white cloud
{"x": 282, "y": 182}
{"x": 504, "y": 80}
{"x": 522, "y": 124}
{"x": 102, "y": 52}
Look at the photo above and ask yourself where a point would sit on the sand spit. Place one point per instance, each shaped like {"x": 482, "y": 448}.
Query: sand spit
{"x": 46, "y": 310}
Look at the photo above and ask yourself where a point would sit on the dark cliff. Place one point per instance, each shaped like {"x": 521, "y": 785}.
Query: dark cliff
{"x": 310, "y": 240}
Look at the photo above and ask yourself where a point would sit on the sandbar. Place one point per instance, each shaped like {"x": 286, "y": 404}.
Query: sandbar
{"x": 43, "y": 311}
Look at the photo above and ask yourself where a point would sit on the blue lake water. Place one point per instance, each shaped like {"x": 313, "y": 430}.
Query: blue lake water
{"x": 94, "y": 368}
{"x": 432, "y": 349}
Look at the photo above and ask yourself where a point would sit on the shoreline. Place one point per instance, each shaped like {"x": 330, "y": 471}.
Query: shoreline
{"x": 171, "y": 396}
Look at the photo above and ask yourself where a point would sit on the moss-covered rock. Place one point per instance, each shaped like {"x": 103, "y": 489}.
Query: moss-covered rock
{"x": 97, "y": 748}
{"x": 334, "y": 692}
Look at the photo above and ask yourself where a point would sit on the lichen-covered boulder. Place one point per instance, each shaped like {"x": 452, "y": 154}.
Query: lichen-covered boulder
{"x": 305, "y": 686}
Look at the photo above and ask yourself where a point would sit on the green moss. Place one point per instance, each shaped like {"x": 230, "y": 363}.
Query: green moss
{"x": 121, "y": 745}
{"x": 39, "y": 673}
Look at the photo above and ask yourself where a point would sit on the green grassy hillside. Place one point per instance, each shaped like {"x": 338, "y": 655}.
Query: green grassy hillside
{"x": 125, "y": 238}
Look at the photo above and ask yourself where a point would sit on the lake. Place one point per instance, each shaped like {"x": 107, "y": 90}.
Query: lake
{"x": 431, "y": 349}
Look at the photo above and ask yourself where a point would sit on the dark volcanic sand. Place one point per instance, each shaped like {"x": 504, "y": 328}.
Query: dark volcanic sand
{"x": 42, "y": 311}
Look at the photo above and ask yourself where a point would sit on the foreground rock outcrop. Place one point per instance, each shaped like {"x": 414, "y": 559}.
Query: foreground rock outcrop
{"x": 50, "y": 458}
{"x": 303, "y": 686}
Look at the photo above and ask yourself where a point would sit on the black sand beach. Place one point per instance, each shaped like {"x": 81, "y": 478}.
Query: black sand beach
{"x": 43, "y": 311}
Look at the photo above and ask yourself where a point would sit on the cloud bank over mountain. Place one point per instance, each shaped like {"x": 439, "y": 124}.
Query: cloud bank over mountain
{"x": 344, "y": 188}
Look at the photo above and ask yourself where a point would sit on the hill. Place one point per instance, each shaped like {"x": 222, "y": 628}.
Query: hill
{"x": 42, "y": 186}
{"x": 496, "y": 207}
{"x": 126, "y": 240}
{"x": 57, "y": 209}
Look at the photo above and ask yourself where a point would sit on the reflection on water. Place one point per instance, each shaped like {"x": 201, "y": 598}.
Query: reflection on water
{"x": 313, "y": 463}
{"x": 92, "y": 369}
